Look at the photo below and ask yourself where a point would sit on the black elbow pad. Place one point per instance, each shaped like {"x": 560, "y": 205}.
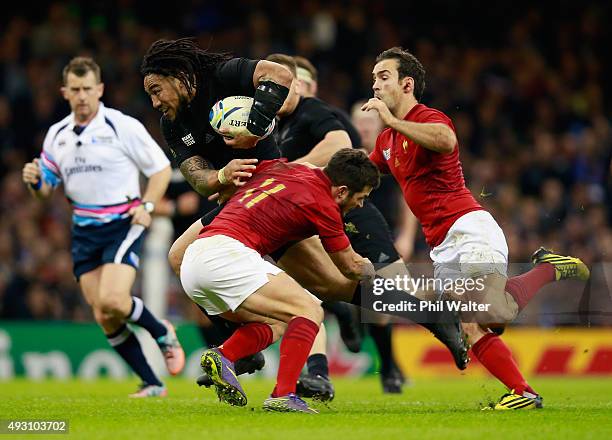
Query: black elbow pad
{"x": 268, "y": 100}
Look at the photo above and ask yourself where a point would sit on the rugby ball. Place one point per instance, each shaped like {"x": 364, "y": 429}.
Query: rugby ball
{"x": 232, "y": 113}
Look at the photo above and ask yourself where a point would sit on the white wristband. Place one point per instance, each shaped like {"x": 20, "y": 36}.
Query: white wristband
{"x": 221, "y": 176}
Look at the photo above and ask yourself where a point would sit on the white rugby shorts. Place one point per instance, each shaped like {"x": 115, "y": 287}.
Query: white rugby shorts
{"x": 219, "y": 273}
{"x": 474, "y": 246}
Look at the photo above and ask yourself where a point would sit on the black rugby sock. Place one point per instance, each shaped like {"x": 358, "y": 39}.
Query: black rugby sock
{"x": 381, "y": 334}
{"x": 317, "y": 365}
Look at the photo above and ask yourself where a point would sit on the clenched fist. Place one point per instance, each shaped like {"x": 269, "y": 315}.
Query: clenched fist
{"x": 31, "y": 173}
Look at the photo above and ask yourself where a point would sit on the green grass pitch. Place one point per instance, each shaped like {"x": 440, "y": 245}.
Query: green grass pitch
{"x": 436, "y": 409}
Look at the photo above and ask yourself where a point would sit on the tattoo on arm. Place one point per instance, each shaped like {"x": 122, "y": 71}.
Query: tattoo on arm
{"x": 200, "y": 175}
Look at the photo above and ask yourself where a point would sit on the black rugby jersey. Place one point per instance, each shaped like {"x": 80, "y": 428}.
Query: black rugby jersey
{"x": 299, "y": 132}
{"x": 190, "y": 134}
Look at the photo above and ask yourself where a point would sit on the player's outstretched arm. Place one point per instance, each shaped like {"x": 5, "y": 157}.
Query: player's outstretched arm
{"x": 32, "y": 177}
{"x": 322, "y": 152}
{"x": 352, "y": 265}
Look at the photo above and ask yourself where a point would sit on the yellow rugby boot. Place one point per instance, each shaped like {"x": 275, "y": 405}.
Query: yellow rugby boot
{"x": 566, "y": 267}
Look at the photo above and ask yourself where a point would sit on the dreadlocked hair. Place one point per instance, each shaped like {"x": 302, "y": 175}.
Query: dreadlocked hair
{"x": 182, "y": 59}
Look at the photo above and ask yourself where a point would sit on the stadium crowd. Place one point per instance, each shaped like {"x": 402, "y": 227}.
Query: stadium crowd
{"x": 526, "y": 92}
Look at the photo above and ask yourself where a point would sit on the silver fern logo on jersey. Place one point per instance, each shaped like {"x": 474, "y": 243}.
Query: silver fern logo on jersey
{"x": 188, "y": 140}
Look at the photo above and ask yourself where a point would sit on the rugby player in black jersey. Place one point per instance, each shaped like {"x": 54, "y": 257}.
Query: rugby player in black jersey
{"x": 184, "y": 81}
{"x": 172, "y": 71}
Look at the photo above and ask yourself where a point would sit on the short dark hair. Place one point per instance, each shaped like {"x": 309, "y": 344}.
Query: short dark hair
{"x": 284, "y": 60}
{"x": 408, "y": 65}
{"x": 182, "y": 59}
{"x": 352, "y": 168}
{"x": 80, "y": 66}
{"x": 305, "y": 64}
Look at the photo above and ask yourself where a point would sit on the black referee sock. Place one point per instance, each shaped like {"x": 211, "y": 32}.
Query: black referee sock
{"x": 126, "y": 344}
{"x": 317, "y": 365}
{"x": 381, "y": 334}
{"x": 141, "y": 316}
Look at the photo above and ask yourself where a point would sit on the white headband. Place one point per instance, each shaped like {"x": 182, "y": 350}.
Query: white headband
{"x": 304, "y": 75}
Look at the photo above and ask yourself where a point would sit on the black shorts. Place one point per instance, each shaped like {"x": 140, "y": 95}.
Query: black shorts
{"x": 370, "y": 235}
{"x": 210, "y": 215}
{"x": 225, "y": 327}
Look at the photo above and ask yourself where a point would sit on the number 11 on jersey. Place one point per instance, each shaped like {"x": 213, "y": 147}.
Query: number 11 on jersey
{"x": 264, "y": 193}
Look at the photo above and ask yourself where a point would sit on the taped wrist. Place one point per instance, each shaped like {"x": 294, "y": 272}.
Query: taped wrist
{"x": 221, "y": 176}
{"x": 268, "y": 100}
